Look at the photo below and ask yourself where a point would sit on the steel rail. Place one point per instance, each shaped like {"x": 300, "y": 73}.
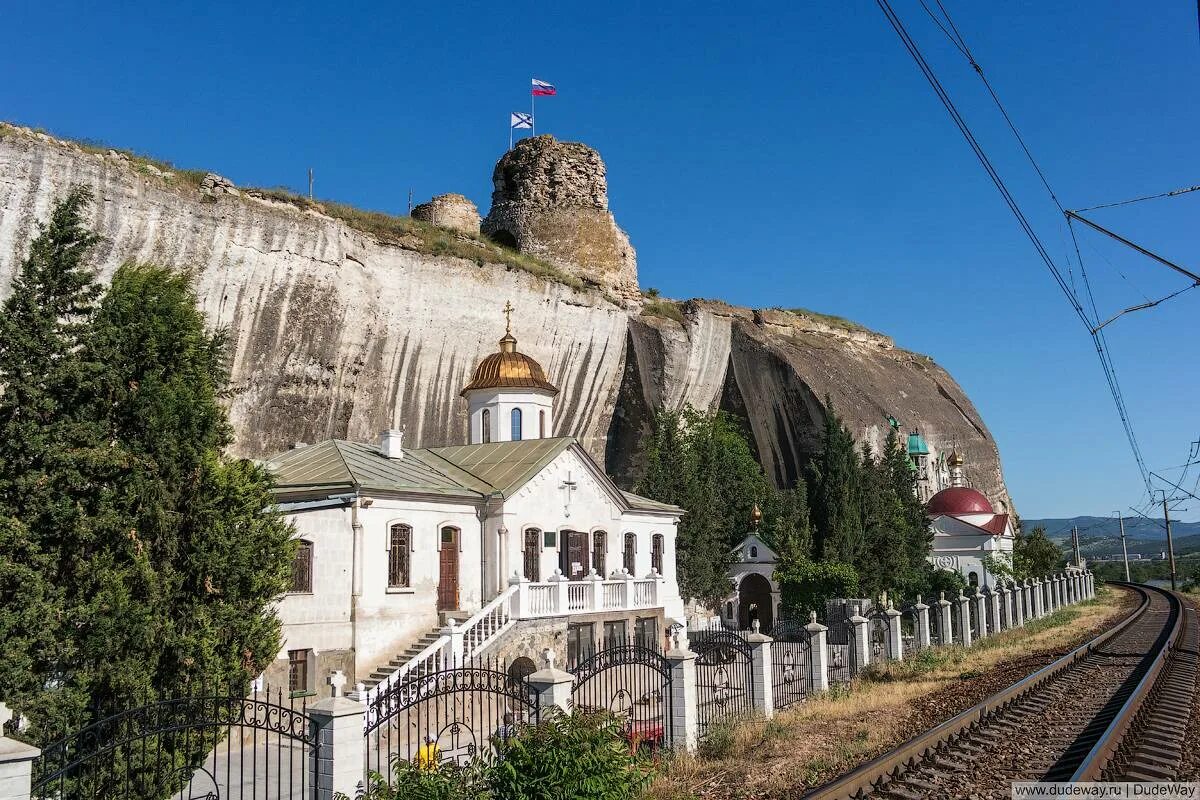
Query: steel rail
{"x": 872, "y": 775}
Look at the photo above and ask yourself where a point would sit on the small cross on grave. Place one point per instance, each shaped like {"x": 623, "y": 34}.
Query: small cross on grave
{"x": 336, "y": 680}
{"x": 568, "y": 486}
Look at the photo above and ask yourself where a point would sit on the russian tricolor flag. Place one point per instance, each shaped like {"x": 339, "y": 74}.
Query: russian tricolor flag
{"x": 543, "y": 89}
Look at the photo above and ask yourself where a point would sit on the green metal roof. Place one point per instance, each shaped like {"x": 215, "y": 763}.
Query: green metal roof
{"x": 916, "y": 445}
{"x": 468, "y": 471}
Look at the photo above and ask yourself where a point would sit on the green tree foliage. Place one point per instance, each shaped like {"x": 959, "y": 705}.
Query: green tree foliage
{"x": 1034, "y": 555}
{"x": 703, "y": 463}
{"x": 835, "y": 492}
{"x": 141, "y": 552}
{"x": 805, "y": 585}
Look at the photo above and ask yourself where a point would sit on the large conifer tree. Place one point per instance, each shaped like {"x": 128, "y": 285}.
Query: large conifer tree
{"x": 834, "y": 494}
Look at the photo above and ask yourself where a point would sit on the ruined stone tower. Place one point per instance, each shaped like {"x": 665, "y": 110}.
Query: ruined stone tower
{"x": 550, "y": 200}
{"x": 450, "y": 211}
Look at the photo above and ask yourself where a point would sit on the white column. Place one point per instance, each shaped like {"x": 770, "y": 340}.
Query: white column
{"x": 1039, "y": 598}
{"x": 981, "y": 613}
{"x": 944, "y": 619}
{"x": 452, "y": 656}
{"x": 685, "y": 721}
{"x": 520, "y": 598}
{"x": 760, "y": 665}
{"x": 922, "y": 631}
{"x": 552, "y": 685}
{"x": 336, "y": 762}
{"x": 1018, "y": 606}
{"x": 860, "y": 641}
{"x": 818, "y": 655}
{"x": 562, "y": 601}
{"x": 994, "y": 604}
{"x": 1060, "y": 599}
{"x": 1091, "y": 584}
{"x": 595, "y": 591}
{"x": 895, "y": 640}
{"x": 1006, "y": 602}
{"x": 964, "y": 618}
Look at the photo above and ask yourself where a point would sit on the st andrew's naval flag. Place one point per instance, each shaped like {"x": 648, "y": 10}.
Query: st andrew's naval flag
{"x": 543, "y": 89}
{"x": 521, "y": 120}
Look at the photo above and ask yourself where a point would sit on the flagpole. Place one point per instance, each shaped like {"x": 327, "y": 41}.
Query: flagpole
{"x": 532, "y": 114}
{"x": 510, "y": 129}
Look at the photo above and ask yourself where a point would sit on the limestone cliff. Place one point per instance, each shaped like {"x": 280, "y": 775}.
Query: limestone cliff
{"x": 340, "y": 331}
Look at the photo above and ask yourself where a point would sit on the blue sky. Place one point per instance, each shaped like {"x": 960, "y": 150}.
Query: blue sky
{"x": 767, "y": 155}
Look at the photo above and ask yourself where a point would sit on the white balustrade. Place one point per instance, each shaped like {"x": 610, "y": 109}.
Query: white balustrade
{"x": 614, "y": 594}
{"x": 577, "y": 596}
{"x": 541, "y": 599}
{"x": 644, "y": 593}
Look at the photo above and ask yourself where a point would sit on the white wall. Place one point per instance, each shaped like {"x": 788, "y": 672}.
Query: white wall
{"x": 500, "y": 404}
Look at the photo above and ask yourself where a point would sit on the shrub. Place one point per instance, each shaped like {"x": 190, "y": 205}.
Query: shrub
{"x": 667, "y": 309}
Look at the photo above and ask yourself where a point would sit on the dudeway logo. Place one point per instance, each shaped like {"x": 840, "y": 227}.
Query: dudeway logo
{"x": 1029, "y": 790}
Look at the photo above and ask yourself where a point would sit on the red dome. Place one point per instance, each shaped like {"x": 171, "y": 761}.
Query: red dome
{"x": 959, "y": 500}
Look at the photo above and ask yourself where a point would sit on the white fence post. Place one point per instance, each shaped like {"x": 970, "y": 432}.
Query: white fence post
{"x": 944, "y": 619}
{"x": 994, "y": 605}
{"x": 520, "y": 598}
{"x": 964, "y": 618}
{"x": 1039, "y": 598}
{"x": 1030, "y": 604}
{"x": 1018, "y": 605}
{"x": 596, "y": 591}
{"x": 562, "y": 602}
{"x": 452, "y": 656}
{"x": 1091, "y": 584}
{"x": 16, "y": 763}
{"x": 895, "y": 639}
{"x": 922, "y": 631}
{"x": 760, "y": 665}
{"x": 685, "y": 701}
{"x": 336, "y": 763}
{"x": 981, "y": 613}
{"x": 818, "y": 655}
{"x": 553, "y": 686}
{"x": 860, "y": 641}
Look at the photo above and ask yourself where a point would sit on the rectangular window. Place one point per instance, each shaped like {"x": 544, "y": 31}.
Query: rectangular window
{"x": 580, "y": 642}
{"x": 600, "y": 553}
{"x": 645, "y": 630}
{"x": 629, "y": 561}
{"x": 399, "y": 556}
{"x": 298, "y": 670}
{"x": 532, "y": 554}
{"x": 656, "y": 553}
{"x": 448, "y": 536}
{"x": 614, "y": 633}
{"x": 550, "y": 539}
{"x": 302, "y": 568}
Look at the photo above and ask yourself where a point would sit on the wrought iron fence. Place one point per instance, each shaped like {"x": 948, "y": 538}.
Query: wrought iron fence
{"x": 879, "y": 630}
{"x": 910, "y": 631}
{"x": 973, "y": 617}
{"x": 790, "y": 654}
{"x": 450, "y": 715}
{"x": 208, "y": 744}
{"x": 842, "y": 658}
{"x": 724, "y": 676}
{"x": 632, "y": 679}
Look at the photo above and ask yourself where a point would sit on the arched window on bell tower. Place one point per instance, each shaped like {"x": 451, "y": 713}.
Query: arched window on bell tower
{"x": 516, "y": 425}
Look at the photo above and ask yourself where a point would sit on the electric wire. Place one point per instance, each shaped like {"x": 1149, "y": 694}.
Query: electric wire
{"x": 1172, "y": 193}
{"x": 1100, "y": 344}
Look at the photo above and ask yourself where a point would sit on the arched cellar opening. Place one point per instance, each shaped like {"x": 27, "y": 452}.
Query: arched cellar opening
{"x": 504, "y": 238}
{"x": 754, "y": 600}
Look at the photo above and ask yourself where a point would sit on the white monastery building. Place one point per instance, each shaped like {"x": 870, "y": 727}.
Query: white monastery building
{"x": 966, "y": 529}
{"x": 512, "y": 543}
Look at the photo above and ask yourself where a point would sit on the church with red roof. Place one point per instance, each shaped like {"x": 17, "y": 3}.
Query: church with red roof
{"x": 967, "y": 529}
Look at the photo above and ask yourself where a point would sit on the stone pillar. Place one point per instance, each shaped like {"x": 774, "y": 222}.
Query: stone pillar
{"x": 1060, "y": 598}
{"x": 1091, "y": 584}
{"x": 685, "y": 701}
{"x": 1006, "y": 603}
{"x": 981, "y": 613}
{"x": 16, "y": 763}
{"x": 1018, "y": 611}
{"x": 944, "y": 618}
{"x": 760, "y": 666}
{"x": 964, "y": 617}
{"x": 552, "y": 685}
{"x": 818, "y": 655}
{"x": 895, "y": 639}
{"x": 860, "y": 640}
{"x": 1048, "y": 583}
{"x": 336, "y": 763}
{"x": 595, "y": 591}
{"x": 1027, "y": 594}
{"x": 1039, "y": 598}
{"x": 520, "y": 598}
{"x": 562, "y": 602}
{"x": 452, "y": 656}
{"x": 994, "y": 605}
{"x": 922, "y": 626}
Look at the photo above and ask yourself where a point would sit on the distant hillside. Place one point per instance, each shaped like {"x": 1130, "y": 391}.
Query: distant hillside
{"x": 1101, "y": 536}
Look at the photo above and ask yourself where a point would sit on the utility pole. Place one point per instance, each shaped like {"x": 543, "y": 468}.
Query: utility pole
{"x": 310, "y": 193}
{"x": 1124, "y": 548}
{"x": 1170, "y": 541}
{"x": 1075, "y": 545}
{"x": 410, "y": 202}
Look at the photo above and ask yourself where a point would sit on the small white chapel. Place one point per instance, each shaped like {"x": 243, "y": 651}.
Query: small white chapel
{"x": 509, "y": 544}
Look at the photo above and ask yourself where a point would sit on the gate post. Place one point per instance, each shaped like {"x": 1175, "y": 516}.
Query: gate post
{"x": 818, "y": 655}
{"x": 337, "y": 758}
{"x": 1017, "y": 617}
{"x": 1006, "y": 602}
{"x": 944, "y": 626}
{"x": 964, "y": 618}
{"x": 16, "y": 763}
{"x": 981, "y": 612}
{"x": 994, "y": 602}
{"x": 685, "y": 701}
{"x": 553, "y": 686}
{"x": 860, "y": 641}
{"x": 761, "y": 665}
{"x": 922, "y": 631}
{"x": 1039, "y": 598}
{"x": 1059, "y": 600}
{"x": 895, "y": 642}
{"x": 1091, "y": 584}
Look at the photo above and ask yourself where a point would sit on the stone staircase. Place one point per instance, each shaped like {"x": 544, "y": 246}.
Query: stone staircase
{"x": 382, "y": 672}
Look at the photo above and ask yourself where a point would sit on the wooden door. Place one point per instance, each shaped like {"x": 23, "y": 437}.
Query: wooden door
{"x": 575, "y": 555}
{"x": 448, "y": 571}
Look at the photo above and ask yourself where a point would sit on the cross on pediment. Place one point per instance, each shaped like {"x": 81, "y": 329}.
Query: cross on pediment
{"x": 336, "y": 679}
{"x": 568, "y": 486}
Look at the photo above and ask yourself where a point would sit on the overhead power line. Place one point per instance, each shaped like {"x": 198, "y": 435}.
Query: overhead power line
{"x": 951, "y": 30}
{"x": 1172, "y": 193}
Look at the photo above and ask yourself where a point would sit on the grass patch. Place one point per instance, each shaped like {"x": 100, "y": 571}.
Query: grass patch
{"x": 667, "y": 309}
{"x": 829, "y": 319}
{"x": 147, "y": 165}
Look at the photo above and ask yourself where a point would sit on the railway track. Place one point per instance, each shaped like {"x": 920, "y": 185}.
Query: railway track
{"x": 1115, "y": 708}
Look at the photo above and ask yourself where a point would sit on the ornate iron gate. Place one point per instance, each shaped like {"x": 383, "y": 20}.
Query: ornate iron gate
{"x": 724, "y": 676}
{"x": 448, "y": 715}
{"x": 790, "y": 653}
{"x": 910, "y": 631}
{"x": 842, "y": 655}
{"x": 633, "y": 681}
{"x": 204, "y": 746}
{"x": 879, "y": 628}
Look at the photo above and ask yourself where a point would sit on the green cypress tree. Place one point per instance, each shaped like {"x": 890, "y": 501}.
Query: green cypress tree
{"x": 834, "y": 495}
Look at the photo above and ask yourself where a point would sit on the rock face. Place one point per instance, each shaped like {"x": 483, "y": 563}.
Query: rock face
{"x": 551, "y": 201}
{"x": 335, "y": 334}
{"x": 449, "y": 211}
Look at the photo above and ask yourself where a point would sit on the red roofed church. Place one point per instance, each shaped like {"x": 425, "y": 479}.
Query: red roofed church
{"x": 966, "y": 529}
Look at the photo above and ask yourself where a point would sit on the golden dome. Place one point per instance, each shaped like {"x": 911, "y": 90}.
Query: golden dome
{"x": 509, "y": 369}
{"x": 955, "y": 459}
